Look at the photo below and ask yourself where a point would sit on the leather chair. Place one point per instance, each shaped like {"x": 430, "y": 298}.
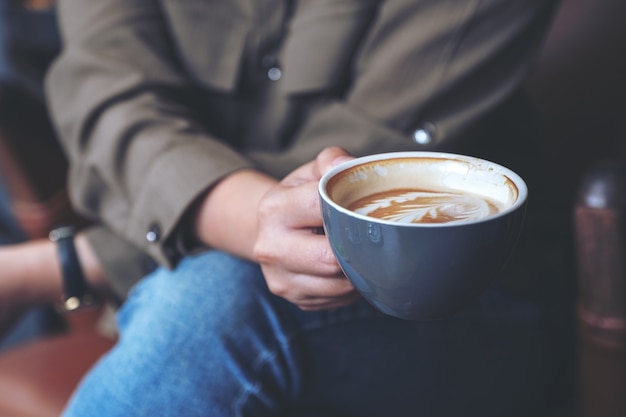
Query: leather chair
{"x": 37, "y": 378}
{"x": 600, "y": 219}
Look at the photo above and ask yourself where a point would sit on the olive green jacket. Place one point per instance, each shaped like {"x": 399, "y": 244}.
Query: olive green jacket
{"x": 155, "y": 101}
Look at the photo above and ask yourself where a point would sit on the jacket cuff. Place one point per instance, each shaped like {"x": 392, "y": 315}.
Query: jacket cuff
{"x": 189, "y": 170}
{"x": 123, "y": 263}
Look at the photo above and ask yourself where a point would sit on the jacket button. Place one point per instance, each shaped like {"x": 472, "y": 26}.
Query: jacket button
{"x": 270, "y": 63}
{"x": 274, "y": 74}
{"x": 154, "y": 233}
{"x": 425, "y": 134}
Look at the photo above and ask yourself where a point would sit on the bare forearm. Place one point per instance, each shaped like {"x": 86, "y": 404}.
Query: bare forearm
{"x": 227, "y": 217}
{"x": 34, "y": 270}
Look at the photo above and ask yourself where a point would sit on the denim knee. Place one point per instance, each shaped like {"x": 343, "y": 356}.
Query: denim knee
{"x": 210, "y": 287}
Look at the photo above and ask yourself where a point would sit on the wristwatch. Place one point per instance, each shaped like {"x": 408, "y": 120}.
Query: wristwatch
{"x": 75, "y": 289}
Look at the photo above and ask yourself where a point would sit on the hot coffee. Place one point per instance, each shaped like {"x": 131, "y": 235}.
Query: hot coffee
{"x": 426, "y": 206}
{"x": 393, "y": 221}
{"x": 424, "y": 190}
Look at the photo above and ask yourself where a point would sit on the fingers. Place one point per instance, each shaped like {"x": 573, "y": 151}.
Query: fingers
{"x": 301, "y": 253}
{"x": 298, "y": 264}
{"x": 313, "y": 171}
{"x": 292, "y": 207}
{"x": 329, "y": 158}
{"x": 330, "y": 303}
{"x": 310, "y": 292}
{"x": 288, "y": 218}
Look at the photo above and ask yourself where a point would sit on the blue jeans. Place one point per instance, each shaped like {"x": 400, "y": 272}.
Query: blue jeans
{"x": 209, "y": 339}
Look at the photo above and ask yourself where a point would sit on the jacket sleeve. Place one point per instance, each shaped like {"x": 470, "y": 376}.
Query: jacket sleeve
{"x": 123, "y": 263}
{"x": 423, "y": 73}
{"x": 425, "y": 77}
{"x": 117, "y": 100}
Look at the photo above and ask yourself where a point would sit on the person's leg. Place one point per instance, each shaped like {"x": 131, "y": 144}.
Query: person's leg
{"x": 208, "y": 339}
{"x": 195, "y": 341}
{"x": 497, "y": 359}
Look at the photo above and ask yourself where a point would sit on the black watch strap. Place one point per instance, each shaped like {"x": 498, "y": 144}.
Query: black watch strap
{"x": 75, "y": 288}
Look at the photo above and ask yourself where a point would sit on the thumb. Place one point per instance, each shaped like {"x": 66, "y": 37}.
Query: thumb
{"x": 331, "y": 157}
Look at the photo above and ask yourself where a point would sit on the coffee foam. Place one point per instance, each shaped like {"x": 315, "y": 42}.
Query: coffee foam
{"x": 421, "y": 206}
{"x": 469, "y": 183}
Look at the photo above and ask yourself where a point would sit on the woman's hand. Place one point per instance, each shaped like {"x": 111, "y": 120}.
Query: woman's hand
{"x": 296, "y": 259}
{"x": 276, "y": 224}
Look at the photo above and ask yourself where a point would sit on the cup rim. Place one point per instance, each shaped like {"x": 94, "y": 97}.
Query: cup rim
{"x": 509, "y": 173}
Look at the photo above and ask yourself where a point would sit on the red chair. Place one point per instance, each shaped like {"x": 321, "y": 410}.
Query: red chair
{"x": 37, "y": 378}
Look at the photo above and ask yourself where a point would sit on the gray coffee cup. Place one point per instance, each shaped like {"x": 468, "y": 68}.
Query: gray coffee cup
{"x": 447, "y": 225}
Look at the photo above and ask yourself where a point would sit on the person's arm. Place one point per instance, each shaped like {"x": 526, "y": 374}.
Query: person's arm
{"x": 118, "y": 99}
{"x": 31, "y": 271}
{"x": 443, "y": 66}
{"x": 128, "y": 132}
{"x": 274, "y": 223}
{"x": 31, "y": 276}
{"x": 137, "y": 156}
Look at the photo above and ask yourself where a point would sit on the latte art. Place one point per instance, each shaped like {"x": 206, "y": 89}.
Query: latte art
{"x": 424, "y": 206}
